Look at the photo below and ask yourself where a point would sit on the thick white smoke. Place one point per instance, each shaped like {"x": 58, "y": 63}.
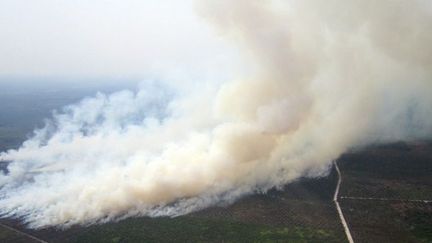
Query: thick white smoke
{"x": 327, "y": 75}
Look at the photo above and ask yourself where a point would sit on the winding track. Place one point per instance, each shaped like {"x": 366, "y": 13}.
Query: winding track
{"x": 339, "y": 210}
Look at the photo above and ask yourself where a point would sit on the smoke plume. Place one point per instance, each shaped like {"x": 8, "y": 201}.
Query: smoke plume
{"x": 324, "y": 76}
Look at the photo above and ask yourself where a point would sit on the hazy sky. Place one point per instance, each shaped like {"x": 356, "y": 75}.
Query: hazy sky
{"x": 107, "y": 38}
{"x": 326, "y": 77}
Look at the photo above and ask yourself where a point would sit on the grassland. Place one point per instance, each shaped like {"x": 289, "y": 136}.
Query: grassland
{"x": 400, "y": 173}
{"x": 302, "y": 212}
{"x": 192, "y": 229}
{"x": 7, "y": 235}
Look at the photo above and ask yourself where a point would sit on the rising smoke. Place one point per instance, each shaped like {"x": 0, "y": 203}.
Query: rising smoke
{"x": 325, "y": 76}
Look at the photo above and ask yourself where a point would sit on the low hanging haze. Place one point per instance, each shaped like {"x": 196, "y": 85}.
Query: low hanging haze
{"x": 239, "y": 97}
{"x": 82, "y": 40}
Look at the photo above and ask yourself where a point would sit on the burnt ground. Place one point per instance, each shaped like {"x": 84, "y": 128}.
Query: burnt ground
{"x": 400, "y": 174}
{"x": 302, "y": 212}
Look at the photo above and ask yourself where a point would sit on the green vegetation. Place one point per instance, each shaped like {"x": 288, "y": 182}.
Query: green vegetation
{"x": 6, "y": 234}
{"x": 190, "y": 229}
{"x": 420, "y": 225}
{"x": 397, "y": 171}
{"x": 401, "y": 172}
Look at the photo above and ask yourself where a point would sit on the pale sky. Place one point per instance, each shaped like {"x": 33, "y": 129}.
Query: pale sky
{"x": 110, "y": 38}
